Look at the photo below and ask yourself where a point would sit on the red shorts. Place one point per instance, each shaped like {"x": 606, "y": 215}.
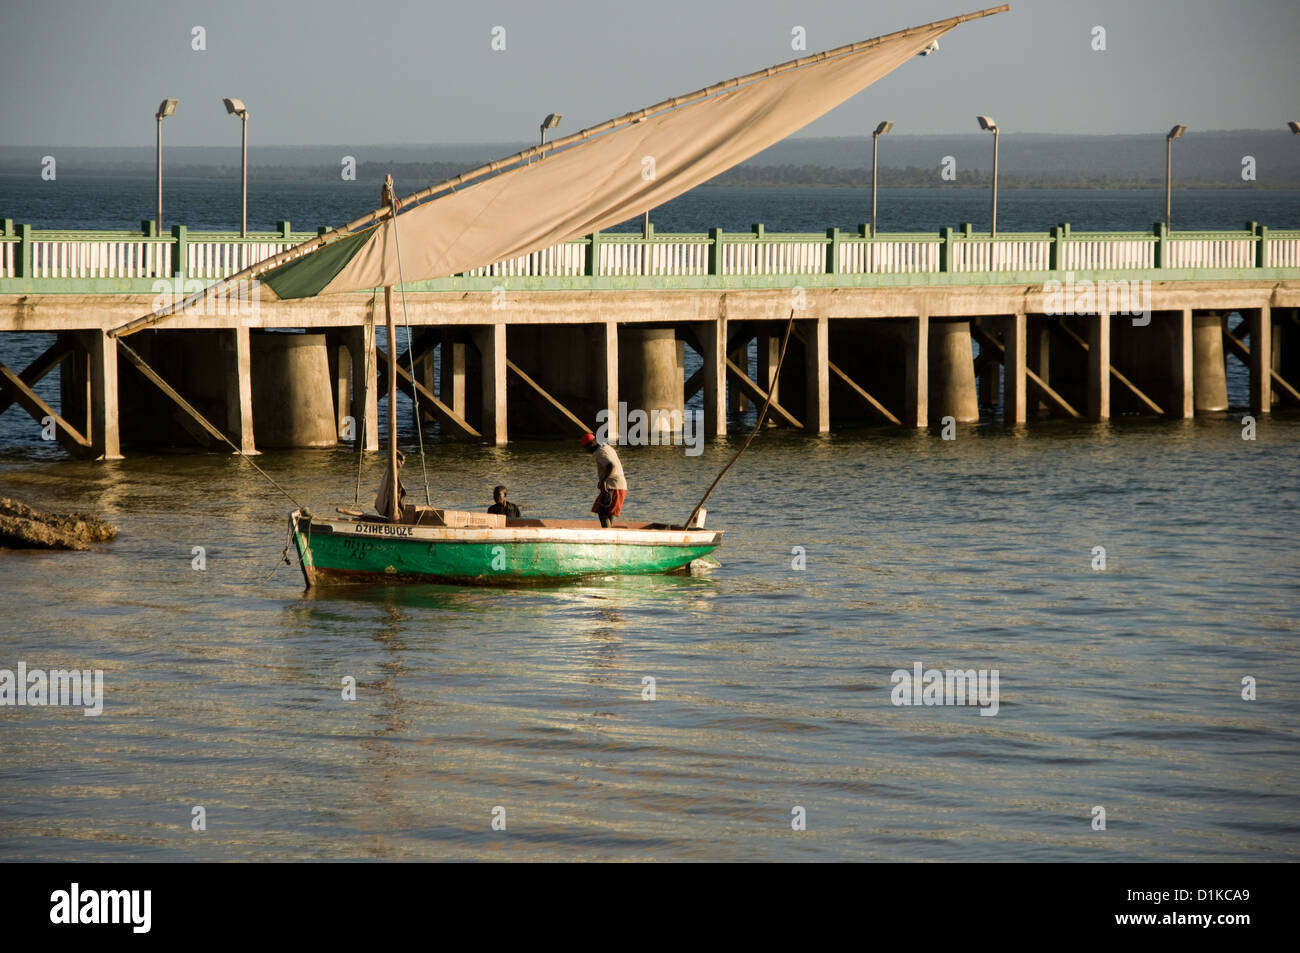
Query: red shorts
{"x": 610, "y": 502}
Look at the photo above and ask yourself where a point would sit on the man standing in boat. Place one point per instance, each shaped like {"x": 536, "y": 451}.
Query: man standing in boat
{"x": 610, "y": 480}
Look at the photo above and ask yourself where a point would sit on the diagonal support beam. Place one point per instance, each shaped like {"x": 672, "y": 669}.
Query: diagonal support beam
{"x": 440, "y": 410}
{"x": 30, "y": 401}
{"x": 35, "y": 371}
{"x": 1052, "y": 397}
{"x": 1128, "y": 384}
{"x": 191, "y": 415}
{"x": 861, "y": 392}
{"x": 757, "y": 394}
{"x": 853, "y": 385}
{"x": 559, "y": 408}
{"x": 1240, "y": 348}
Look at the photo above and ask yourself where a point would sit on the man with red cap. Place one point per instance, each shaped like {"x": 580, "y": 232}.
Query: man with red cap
{"x": 609, "y": 480}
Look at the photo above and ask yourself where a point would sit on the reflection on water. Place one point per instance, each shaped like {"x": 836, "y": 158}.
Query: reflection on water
{"x": 225, "y": 688}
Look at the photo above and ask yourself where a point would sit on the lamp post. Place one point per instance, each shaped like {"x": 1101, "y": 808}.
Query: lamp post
{"x": 550, "y": 122}
{"x": 165, "y": 109}
{"x": 881, "y": 130}
{"x": 1174, "y": 133}
{"x": 236, "y": 107}
{"x": 988, "y": 124}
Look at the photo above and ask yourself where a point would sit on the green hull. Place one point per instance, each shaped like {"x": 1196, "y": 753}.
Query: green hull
{"x": 350, "y": 551}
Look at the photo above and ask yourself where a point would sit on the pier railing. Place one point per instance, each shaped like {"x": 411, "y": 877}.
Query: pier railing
{"x": 60, "y": 260}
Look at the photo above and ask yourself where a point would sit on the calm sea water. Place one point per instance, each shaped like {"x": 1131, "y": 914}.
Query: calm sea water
{"x": 1118, "y": 688}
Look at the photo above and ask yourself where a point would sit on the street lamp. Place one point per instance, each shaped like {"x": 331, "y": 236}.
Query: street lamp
{"x": 236, "y": 107}
{"x": 881, "y": 130}
{"x": 1174, "y": 133}
{"x": 165, "y": 109}
{"x": 989, "y": 125}
{"x": 550, "y": 122}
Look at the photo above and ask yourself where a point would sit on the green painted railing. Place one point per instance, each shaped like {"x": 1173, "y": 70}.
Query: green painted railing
{"x": 118, "y": 261}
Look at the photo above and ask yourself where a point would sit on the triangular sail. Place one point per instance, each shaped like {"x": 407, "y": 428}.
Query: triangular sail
{"x": 584, "y": 182}
{"x": 600, "y": 181}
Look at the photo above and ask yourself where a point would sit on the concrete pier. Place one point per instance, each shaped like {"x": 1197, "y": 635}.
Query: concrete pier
{"x": 887, "y": 337}
{"x": 1209, "y": 363}
{"x": 952, "y": 373}
{"x": 292, "y": 392}
{"x": 651, "y": 362}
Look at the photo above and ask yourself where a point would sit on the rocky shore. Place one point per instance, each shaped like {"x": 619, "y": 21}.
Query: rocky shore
{"x": 22, "y": 527}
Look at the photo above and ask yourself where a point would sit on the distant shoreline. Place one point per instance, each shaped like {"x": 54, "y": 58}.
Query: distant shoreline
{"x": 740, "y": 177}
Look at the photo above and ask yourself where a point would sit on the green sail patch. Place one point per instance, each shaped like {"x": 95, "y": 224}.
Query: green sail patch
{"x": 307, "y": 276}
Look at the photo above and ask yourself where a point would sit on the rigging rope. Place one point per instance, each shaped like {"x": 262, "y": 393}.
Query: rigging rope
{"x": 410, "y": 354}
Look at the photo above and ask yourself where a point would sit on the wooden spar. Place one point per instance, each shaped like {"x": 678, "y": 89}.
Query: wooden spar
{"x": 758, "y": 425}
{"x": 394, "y": 496}
{"x": 378, "y": 215}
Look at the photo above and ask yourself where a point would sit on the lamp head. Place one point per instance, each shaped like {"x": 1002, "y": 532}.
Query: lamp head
{"x": 166, "y": 108}
{"x": 1294, "y": 127}
{"x": 551, "y": 121}
{"x": 884, "y": 127}
{"x": 1176, "y": 132}
{"x": 987, "y": 123}
{"x": 236, "y": 107}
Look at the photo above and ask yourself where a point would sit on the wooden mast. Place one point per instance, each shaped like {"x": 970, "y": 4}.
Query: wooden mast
{"x": 394, "y": 500}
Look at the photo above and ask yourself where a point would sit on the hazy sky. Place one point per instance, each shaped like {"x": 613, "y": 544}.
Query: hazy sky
{"x": 86, "y": 73}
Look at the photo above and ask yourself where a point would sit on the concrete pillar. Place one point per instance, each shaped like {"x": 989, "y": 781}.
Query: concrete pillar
{"x": 817, "y": 376}
{"x": 102, "y": 360}
{"x": 650, "y": 375}
{"x": 1286, "y": 344}
{"x": 916, "y": 362}
{"x": 1098, "y": 366}
{"x": 75, "y": 383}
{"x": 769, "y": 354}
{"x": 1210, "y": 378}
{"x": 239, "y": 392}
{"x": 1038, "y": 354}
{"x": 492, "y": 346}
{"x": 1260, "y": 322}
{"x": 952, "y": 372}
{"x": 607, "y": 375}
{"x": 451, "y": 373}
{"x": 736, "y": 398}
{"x": 425, "y": 373}
{"x": 1183, "y": 403}
{"x": 291, "y": 391}
{"x": 340, "y": 368}
{"x": 363, "y": 407}
{"x": 713, "y": 337}
{"x": 1013, "y": 368}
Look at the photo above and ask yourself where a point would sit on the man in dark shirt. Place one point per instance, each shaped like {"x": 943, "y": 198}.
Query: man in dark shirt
{"x": 501, "y": 506}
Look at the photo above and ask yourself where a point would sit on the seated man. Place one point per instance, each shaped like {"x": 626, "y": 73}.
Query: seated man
{"x": 501, "y": 506}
